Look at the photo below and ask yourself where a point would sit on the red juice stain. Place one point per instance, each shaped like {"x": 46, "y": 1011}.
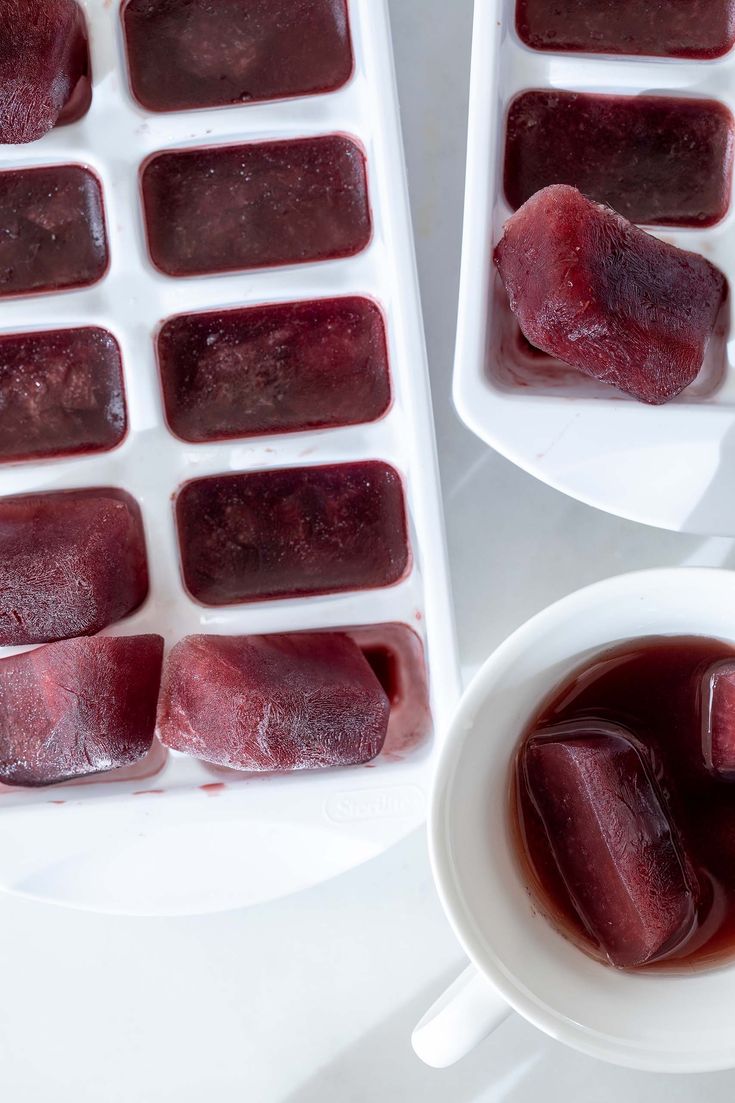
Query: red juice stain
{"x": 213, "y": 788}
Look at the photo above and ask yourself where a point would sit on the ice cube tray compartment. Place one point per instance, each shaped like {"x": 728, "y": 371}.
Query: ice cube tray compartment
{"x": 579, "y": 436}
{"x": 377, "y": 804}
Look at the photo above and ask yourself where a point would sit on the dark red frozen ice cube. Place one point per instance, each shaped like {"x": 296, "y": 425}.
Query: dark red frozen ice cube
{"x": 281, "y": 702}
{"x": 609, "y": 831}
{"x": 53, "y": 229}
{"x": 292, "y": 532}
{"x": 60, "y": 391}
{"x": 256, "y": 205}
{"x": 185, "y": 54}
{"x": 78, "y": 707}
{"x": 274, "y": 369}
{"x": 718, "y": 718}
{"x": 44, "y": 67}
{"x": 71, "y": 563}
{"x": 607, "y": 298}
{"x": 654, "y": 159}
{"x": 660, "y": 28}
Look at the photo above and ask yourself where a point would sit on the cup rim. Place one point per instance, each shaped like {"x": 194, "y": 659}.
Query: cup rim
{"x": 574, "y": 1034}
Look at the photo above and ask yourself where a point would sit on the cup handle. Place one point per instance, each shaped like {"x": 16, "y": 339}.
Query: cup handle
{"x": 469, "y": 1010}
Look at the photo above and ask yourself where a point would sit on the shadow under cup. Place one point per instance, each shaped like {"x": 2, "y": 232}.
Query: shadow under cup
{"x": 654, "y": 1020}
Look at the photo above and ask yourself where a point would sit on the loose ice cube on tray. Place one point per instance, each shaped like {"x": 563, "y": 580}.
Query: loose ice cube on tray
{"x": 193, "y": 53}
{"x": 278, "y": 702}
{"x": 607, "y": 298}
{"x": 71, "y": 563}
{"x": 718, "y": 718}
{"x": 690, "y": 29}
{"x": 61, "y": 392}
{"x": 78, "y": 707}
{"x": 293, "y": 531}
{"x": 278, "y": 368}
{"x": 611, "y": 838}
{"x": 44, "y": 67}
{"x": 660, "y": 160}
{"x": 54, "y": 235}
{"x": 261, "y": 204}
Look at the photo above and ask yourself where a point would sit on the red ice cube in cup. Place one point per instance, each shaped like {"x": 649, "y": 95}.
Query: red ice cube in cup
{"x": 280, "y": 702}
{"x": 78, "y": 707}
{"x": 44, "y": 67}
{"x": 718, "y": 718}
{"x": 71, "y": 563}
{"x": 613, "y": 841}
{"x": 600, "y": 294}
{"x": 54, "y": 236}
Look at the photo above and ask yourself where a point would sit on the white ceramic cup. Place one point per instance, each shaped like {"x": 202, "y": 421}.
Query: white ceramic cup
{"x": 680, "y": 1022}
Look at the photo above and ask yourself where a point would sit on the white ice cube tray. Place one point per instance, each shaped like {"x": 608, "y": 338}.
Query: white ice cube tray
{"x": 671, "y": 466}
{"x": 191, "y": 844}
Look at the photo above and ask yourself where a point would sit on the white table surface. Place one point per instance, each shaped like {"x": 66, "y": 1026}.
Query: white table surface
{"x": 312, "y": 999}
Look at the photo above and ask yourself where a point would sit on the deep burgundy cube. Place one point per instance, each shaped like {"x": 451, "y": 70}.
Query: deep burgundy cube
{"x": 281, "y": 368}
{"x": 78, "y": 707}
{"x": 657, "y": 160}
{"x": 256, "y": 205}
{"x": 280, "y": 702}
{"x": 45, "y": 74}
{"x": 71, "y": 563}
{"x": 616, "y": 848}
{"x": 292, "y": 532}
{"x": 186, "y": 54}
{"x": 61, "y": 392}
{"x": 54, "y": 236}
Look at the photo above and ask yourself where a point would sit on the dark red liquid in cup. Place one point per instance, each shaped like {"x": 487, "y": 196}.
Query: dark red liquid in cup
{"x": 652, "y": 688}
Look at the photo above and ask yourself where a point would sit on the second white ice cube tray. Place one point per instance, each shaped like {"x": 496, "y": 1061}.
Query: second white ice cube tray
{"x": 671, "y": 466}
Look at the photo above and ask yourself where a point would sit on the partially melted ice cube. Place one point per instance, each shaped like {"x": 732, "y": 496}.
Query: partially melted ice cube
{"x": 71, "y": 563}
{"x": 44, "y": 67}
{"x": 615, "y": 846}
{"x": 685, "y": 28}
{"x": 600, "y": 294}
{"x": 718, "y": 718}
{"x": 78, "y": 707}
{"x": 280, "y": 702}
